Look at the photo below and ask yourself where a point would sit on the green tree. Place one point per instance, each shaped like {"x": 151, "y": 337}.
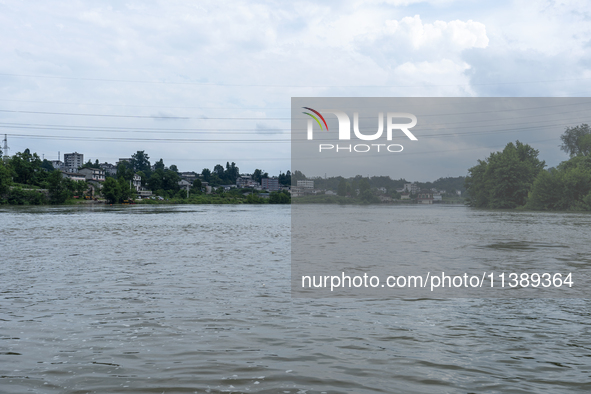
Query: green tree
{"x": 80, "y": 187}
{"x": 89, "y": 164}
{"x": 297, "y": 176}
{"x": 585, "y": 145}
{"x": 285, "y": 179}
{"x": 219, "y": 171}
{"x": 574, "y": 140}
{"x": 170, "y": 180}
{"x": 111, "y": 190}
{"x": 568, "y": 187}
{"x": 5, "y": 179}
{"x": 125, "y": 190}
{"x": 159, "y": 165}
{"x": 125, "y": 171}
{"x": 206, "y": 174}
{"x": 164, "y": 179}
{"x": 281, "y": 197}
{"x": 155, "y": 181}
{"x": 196, "y": 187}
{"x": 505, "y": 178}
{"x": 258, "y": 175}
{"x": 342, "y": 189}
{"x": 546, "y": 192}
{"x": 174, "y": 168}
{"x": 214, "y": 180}
{"x": 47, "y": 166}
{"x": 232, "y": 173}
{"x": 59, "y": 190}
{"x": 27, "y": 168}
{"x": 254, "y": 199}
{"x": 140, "y": 161}
{"x": 363, "y": 185}
{"x": 478, "y": 185}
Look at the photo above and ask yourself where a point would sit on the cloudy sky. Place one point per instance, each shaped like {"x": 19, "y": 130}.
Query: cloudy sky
{"x": 199, "y": 83}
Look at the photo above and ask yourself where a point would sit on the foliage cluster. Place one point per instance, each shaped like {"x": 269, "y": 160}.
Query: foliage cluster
{"x": 504, "y": 179}
{"x": 25, "y": 179}
{"x": 515, "y": 177}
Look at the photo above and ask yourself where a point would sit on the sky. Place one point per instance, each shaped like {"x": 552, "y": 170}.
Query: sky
{"x": 449, "y": 134}
{"x": 208, "y": 82}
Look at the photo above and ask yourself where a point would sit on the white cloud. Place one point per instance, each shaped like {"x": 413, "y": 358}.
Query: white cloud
{"x": 304, "y": 43}
{"x": 451, "y": 36}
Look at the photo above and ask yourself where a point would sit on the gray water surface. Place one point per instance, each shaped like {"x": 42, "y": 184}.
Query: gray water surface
{"x": 184, "y": 299}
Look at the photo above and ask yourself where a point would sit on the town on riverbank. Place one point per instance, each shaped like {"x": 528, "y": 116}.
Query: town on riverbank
{"x": 514, "y": 178}
{"x": 26, "y": 179}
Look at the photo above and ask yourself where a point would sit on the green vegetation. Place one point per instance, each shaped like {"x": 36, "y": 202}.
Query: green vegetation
{"x": 505, "y": 178}
{"x": 235, "y": 196}
{"x": 25, "y": 179}
{"x": 345, "y": 187}
{"x": 327, "y": 199}
{"x": 117, "y": 191}
{"x": 576, "y": 141}
{"x": 515, "y": 178}
{"x": 221, "y": 176}
{"x": 568, "y": 187}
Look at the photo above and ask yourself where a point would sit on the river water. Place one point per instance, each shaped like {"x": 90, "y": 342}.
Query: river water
{"x": 185, "y": 299}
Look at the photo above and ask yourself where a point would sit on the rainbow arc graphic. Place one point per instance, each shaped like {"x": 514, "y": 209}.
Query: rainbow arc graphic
{"x": 315, "y": 118}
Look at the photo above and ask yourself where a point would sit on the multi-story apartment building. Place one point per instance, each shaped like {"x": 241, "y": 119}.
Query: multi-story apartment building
{"x": 73, "y": 160}
{"x": 271, "y": 184}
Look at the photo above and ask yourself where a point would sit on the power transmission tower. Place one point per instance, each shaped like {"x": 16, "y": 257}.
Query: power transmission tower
{"x": 5, "y": 148}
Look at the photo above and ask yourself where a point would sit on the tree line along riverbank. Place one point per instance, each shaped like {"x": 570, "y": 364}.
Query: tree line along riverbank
{"x": 516, "y": 178}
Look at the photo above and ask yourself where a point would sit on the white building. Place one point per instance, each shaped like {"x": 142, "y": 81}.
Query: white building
{"x": 74, "y": 176}
{"x": 137, "y": 182}
{"x": 306, "y": 184}
{"x": 93, "y": 174}
{"x": 412, "y": 188}
{"x": 109, "y": 168}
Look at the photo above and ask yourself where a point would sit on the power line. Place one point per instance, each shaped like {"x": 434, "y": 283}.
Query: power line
{"x": 284, "y": 132}
{"x": 115, "y": 129}
{"x": 135, "y": 116}
{"x": 194, "y": 140}
{"x": 270, "y": 108}
{"x": 284, "y": 86}
{"x": 140, "y": 106}
{"x": 127, "y": 139}
{"x": 288, "y": 118}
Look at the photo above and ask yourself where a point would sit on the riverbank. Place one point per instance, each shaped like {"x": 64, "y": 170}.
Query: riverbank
{"x": 341, "y": 200}
{"x": 226, "y": 198}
